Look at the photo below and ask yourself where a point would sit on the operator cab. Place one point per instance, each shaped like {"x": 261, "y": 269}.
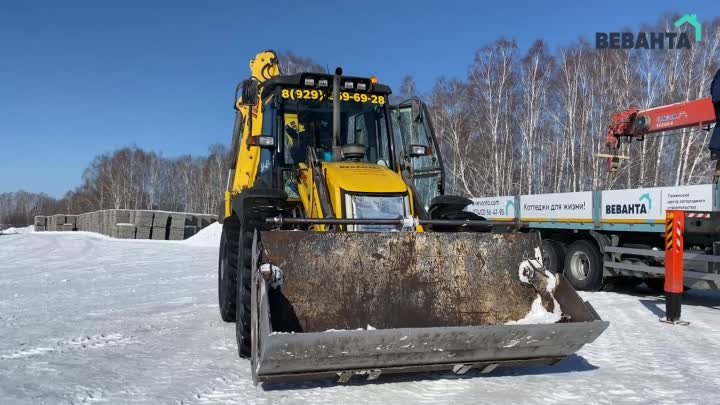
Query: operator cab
{"x": 298, "y": 112}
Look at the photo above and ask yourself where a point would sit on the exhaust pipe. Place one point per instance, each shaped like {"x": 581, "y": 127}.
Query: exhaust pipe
{"x": 336, "y": 151}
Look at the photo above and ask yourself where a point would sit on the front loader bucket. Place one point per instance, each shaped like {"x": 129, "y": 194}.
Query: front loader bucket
{"x": 354, "y": 303}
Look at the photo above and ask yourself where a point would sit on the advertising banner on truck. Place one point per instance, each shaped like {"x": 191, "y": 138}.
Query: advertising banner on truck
{"x": 650, "y": 204}
{"x": 636, "y": 204}
{"x": 495, "y": 208}
{"x": 559, "y": 207}
{"x": 689, "y": 198}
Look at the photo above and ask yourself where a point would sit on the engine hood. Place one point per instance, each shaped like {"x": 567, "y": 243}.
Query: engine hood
{"x": 362, "y": 178}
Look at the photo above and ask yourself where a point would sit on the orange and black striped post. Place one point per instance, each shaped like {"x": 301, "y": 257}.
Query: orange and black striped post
{"x": 674, "y": 245}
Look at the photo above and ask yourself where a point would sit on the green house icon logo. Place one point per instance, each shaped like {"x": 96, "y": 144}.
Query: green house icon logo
{"x": 692, "y": 20}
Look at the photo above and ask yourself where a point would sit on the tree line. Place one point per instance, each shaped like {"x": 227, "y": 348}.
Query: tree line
{"x": 534, "y": 121}
{"x": 131, "y": 178}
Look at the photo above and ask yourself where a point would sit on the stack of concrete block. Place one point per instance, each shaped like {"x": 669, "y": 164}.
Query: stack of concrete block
{"x": 82, "y": 222}
{"x": 39, "y": 223}
{"x": 176, "y": 230}
{"x": 106, "y": 228}
{"x": 160, "y": 225}
{"x": 129, "y": 224}
{"x": 143, "y": 221}
{"x": 119, "y": 223}
{"x": 124, "y": 231}
{"x": 195, "y": 222}
{"x": 72, "y": 221}
{"x": 58, "y": 220}
{"x": 95, "y": 221}
{"x": 86, "y": 221}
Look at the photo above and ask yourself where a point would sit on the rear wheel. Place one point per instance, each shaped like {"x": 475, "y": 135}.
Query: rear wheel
{"x": 227, "y": 270}
{"x": 553, "y": 254}
{"x": 583, "y": 265}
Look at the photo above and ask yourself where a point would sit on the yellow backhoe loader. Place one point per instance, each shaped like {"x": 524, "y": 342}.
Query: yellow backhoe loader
{"x": 342, "y": 256}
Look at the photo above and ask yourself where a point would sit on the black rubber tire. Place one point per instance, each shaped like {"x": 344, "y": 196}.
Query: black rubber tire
{"x": 551, "y": 259}
{"x": 561, "y": 249}
{"x": 244, "y": 289}
{"x": 461, "y": 215}
{"x": 583, "y": 257}
{"x": 227, "y": 270}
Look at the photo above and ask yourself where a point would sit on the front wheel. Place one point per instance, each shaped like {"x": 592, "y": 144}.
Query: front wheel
{"x": 227, "y": 270}
{"x": 583, "y": 265}
{"x": 244, "y": 290}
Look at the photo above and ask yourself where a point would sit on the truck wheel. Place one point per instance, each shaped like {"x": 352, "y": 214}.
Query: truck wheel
{"x": 583, "y": 266}
{"x": 553, "y": 254}
{"x": 244, "y": 290}
{"x": 227, "y": 270}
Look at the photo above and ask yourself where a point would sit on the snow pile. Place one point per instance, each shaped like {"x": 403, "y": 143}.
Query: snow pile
{"x": 208, "y": 236}
{"x": 11, "y": 231}
{"x": 538, "y": 314}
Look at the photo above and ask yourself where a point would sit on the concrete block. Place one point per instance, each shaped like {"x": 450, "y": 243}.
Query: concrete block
{"x": 158, "y": 233}
{"x": 204, "y": 220}
{"x": 105, "y": 222}
{"x": 142, "y": 232}
{"x": 142, "y": 218}
{"x": 68, "y": 227}
{"x": 95, "y": 221}
{"x": 160, "y": 219}
{"x": 40, "y": 220}
{"x": 71, "y": 219}
{"x": 176, "y": 234}
{"x": 39, "y": 228}
{"x": 58, "y": 219}
{"x": 120, "y": 216}
{"x": 124, "y": 231}
{"x": 190, "y": 230}
{"x": 177, "y": 220}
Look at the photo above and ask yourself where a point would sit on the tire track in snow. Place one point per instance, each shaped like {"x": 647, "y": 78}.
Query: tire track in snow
{"x": 82, "y": 343}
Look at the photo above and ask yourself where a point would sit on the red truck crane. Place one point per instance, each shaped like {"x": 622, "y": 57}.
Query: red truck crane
{"x": 633, "y": 123}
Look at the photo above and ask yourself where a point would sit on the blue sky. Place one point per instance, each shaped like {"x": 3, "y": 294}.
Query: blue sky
{"x": 79, "y": 78}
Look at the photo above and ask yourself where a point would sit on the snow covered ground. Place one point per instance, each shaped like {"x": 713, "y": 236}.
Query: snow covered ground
{"x": 85, "y": 318}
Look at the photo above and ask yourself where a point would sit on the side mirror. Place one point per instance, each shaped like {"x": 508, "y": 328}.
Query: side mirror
{"x": 249, "y": 92}
{"x": 261, "y": 141}
{"x": 419, "y": 150}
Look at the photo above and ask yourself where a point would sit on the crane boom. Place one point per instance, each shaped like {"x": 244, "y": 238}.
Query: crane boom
{"x": 635, "y": 124}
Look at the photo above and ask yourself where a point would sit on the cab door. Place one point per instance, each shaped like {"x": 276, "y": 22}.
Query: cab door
{"x": 412, "y": 127}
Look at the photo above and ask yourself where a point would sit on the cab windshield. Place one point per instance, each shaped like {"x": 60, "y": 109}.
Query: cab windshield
{"x": 309, "y": 124}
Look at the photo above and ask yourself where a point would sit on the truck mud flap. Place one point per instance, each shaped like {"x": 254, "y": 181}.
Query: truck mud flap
{"x": 366, "y": 304}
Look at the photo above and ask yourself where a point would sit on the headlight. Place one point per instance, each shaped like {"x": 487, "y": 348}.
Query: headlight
{"x": 376, "y": 207}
